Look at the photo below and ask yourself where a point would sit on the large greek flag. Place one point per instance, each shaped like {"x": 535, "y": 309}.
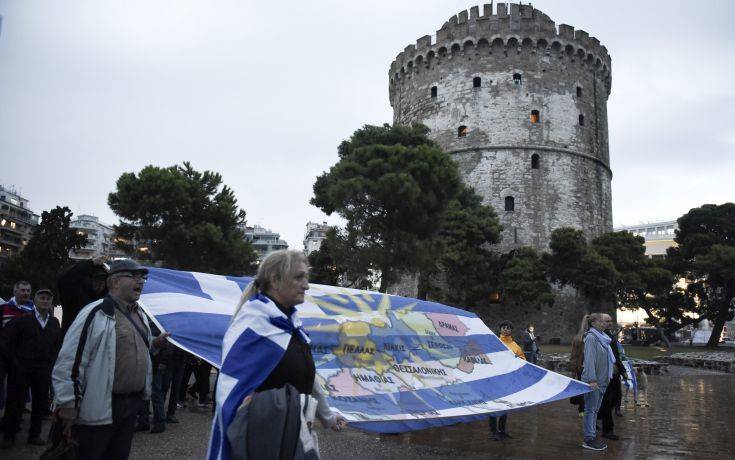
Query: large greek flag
{"x": 387, "y": 363}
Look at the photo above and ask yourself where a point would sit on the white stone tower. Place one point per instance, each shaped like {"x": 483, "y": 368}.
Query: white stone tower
{"x": 521, "y": 105}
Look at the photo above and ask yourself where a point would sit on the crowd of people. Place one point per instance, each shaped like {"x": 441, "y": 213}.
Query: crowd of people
{"x": 107, "y": 370}
{"x": 597, "y": 359}
{"x": 104, "y": 367}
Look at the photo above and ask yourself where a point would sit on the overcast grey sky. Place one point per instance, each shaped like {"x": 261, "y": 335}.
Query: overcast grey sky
{"x": 263, "y": 92}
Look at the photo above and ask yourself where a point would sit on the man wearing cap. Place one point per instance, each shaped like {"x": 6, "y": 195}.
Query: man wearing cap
{"x": 32, "y": 342}
{"x": 103, "y": 372}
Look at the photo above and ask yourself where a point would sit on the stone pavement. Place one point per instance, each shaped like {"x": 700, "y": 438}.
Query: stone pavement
{"x": 689, "y": 415}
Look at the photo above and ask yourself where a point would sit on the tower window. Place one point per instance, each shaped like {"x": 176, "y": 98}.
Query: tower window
{"x": 476, "y": 82}
{"x": 510, "y": 203}
{"x": 517, "y": 79}
{"x": 579, "y": 91}
{"x": 535, "y": 116}
{"x": 433, "y": 91}
{"x": 581, "y": 120}
{"x": 534, "y": 161}
{"x": 462, "y": 131}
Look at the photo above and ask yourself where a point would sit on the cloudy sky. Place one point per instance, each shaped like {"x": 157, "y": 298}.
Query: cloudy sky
{"x": 263, "y": 92}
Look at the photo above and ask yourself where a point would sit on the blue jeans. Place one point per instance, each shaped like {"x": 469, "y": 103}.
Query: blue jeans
{"x": 592, "y": 401}
{"x": 164, "y": 377}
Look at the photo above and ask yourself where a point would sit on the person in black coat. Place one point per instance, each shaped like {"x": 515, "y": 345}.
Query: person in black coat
{"x": 81, "y": 284}
{"x": 33, "y": 342}
{"x": 613, "y": 392}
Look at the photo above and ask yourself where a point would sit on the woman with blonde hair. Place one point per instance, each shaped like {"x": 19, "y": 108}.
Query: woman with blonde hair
{"x": 267, "y": 366}
{"x": 597, "y": 370}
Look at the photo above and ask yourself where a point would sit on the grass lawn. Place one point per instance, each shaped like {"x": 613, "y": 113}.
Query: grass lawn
{"x": 647, "y": 353}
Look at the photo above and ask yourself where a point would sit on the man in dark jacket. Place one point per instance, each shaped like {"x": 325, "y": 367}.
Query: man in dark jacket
{"x": 613, "y": 391}
{"x": 81, "y": 284}
{"x": 33, "y": 341}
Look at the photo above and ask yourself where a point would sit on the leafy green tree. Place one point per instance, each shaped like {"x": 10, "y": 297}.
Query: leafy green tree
{"x": 642, "y": 282}
{"x": 188, "y": 220}
{"x": 46, "y": 254}
{"x": 392, "y": 185}
{"x": 339, "y": 263}
{"x": 573, "y": 262}
{"x": 705, "y": 257}
{"x": 467, "y": 268}
{"x": 523, "y": 279}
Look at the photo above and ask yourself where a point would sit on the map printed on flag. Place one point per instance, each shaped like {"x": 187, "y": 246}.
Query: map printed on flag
{"x": 386, "y": 363}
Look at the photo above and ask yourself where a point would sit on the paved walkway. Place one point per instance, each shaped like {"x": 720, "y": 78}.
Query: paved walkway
{"x": 690, "y": 415}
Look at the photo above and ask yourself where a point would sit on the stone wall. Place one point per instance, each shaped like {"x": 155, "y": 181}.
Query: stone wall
{"x": 519, "y": 86}
{"x": 521, "y": 105}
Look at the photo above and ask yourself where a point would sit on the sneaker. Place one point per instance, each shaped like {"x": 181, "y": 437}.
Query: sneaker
{"x": 505, "y": 435}
{"x": 180, "y": 405}
{"x": 611, "y": 435}
{"x": 594, "y": 445}
{"x": 158, "y": 428}
{"x": 172, "y": 419}
{"x": 36, "y": 441}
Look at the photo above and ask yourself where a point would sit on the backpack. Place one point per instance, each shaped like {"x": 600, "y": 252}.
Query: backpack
{"x": 274, "y": 425}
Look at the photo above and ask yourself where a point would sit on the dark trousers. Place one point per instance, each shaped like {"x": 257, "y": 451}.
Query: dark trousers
{"x": 201, "y": 372}
{"x": 609, "y": 400}
{"x": 165, "y": 377}
{"x": 3, "y": 373}
{"x": 19, "y": 381}
{"x": 113, "y": 441}
{"x": 204, "y": 370}
{"x": 498, "y": 426}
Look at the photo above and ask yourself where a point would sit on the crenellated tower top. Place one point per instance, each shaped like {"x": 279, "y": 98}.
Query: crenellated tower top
{"x": 512, "y": 27}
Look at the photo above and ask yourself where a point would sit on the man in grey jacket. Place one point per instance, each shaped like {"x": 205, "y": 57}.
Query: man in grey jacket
{"x": 597, "y": 372}
{"x": 103, "y": 371}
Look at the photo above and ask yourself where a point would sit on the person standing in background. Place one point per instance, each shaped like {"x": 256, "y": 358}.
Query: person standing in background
{"x": 498, "y": 425}
{"x": 599, "y": 363}
{"x": 529, "y": 343}
{"x": 33, "y": 342}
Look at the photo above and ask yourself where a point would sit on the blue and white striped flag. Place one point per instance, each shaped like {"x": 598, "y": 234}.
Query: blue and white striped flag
{"x": 632, "y": 382}
{"x": 386, "y": 363}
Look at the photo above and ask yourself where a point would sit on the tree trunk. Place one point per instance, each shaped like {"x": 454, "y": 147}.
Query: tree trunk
{"x": 384, "y": 279}
{"x": 659, "y": 329}
{"x": 719, "y": 324}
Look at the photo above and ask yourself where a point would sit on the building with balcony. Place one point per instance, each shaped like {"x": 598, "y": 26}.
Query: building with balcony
{"x": 100, "y": 238}
{"x": 264, "y": 240}
{"x": 659, "y": 236}
{"x": 17, "y": 222}
{"x": 315, "y": 234}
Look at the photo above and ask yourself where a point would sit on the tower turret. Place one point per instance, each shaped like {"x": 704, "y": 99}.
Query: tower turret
{"x": 521, "y": 105}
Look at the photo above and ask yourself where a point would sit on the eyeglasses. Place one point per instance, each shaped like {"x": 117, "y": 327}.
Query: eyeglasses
{"x": 143, "y": 278}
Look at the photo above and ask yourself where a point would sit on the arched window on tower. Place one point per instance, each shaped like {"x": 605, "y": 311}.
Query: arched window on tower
{"x": 476, "y": 82}
{"x": 517, "y": 79}
{"x": 510, "y": 203}
{"x": 462, "y": 131}
{"x": 433, "y": 91}
{"x": 535, "y": 161}
{"x": 581, "y": 120}
{"x": 579, "y": 91}
{"x": 535, "y": 116}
